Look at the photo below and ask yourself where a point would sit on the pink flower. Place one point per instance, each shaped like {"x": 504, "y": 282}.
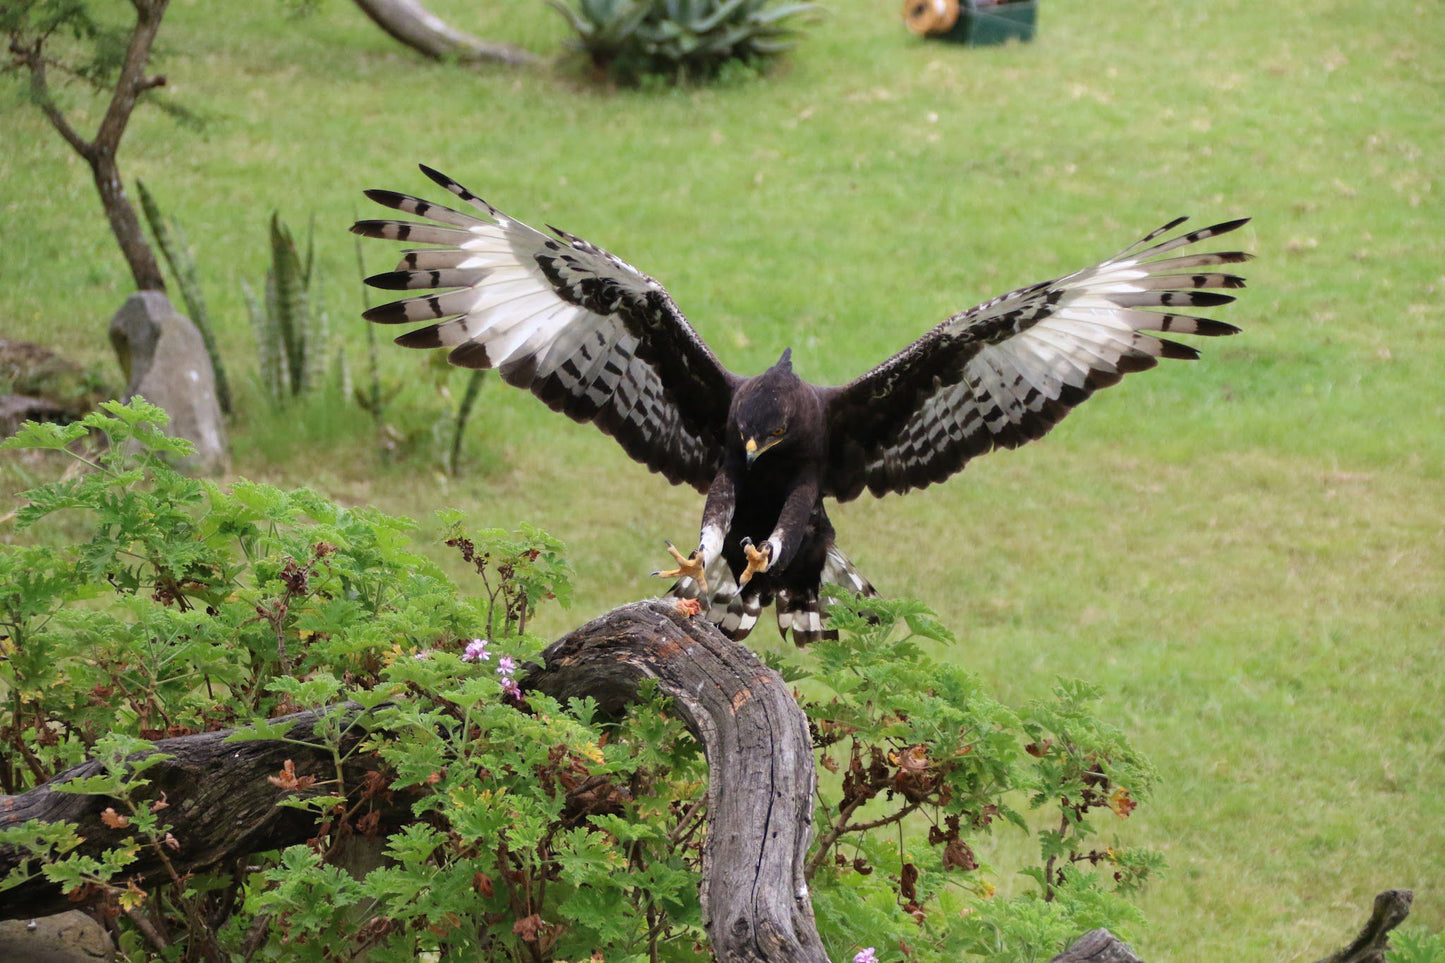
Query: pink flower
{"x": 506, "y": 666}
{"x": 476, "y": 651}
{"x": 510, "y": 689}
{"x": 865, "y": 956}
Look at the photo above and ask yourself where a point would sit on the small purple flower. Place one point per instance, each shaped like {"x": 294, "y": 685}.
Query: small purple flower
{"x": 476, "y": 651}
{"x": 510, "y": 689}
{"x": 865, "y": 956}
{"x": 506, "y": 666}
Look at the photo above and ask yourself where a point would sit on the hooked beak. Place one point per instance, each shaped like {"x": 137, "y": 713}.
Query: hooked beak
{"x": 754, "y": 450}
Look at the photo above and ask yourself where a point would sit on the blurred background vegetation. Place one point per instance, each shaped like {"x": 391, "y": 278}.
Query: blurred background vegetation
{"x": 1246, "y": 552}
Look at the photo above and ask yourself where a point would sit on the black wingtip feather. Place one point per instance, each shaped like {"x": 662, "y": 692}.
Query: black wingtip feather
{"x": 1226, "y": 226}
{"x": 437, "y": 176}
{"x": 389, "y": 280}
{"x": 376, "y": 228}
{"x": 426, "y": 337}
{"x": 1177, "y": 351}
{"x": 470, "y": 355}
{"x": 384, "y": 197}
{"x": 393, "y": 313}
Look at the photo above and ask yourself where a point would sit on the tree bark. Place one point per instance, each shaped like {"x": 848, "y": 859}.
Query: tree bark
{"x": 100, "y": 152}
{"x": 755, "y": 902}
{"x": 123, "y": 222}
{"x": 412, "y": 24}
{"x": 760, "y": 764}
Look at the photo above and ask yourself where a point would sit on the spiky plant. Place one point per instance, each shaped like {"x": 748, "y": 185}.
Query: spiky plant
{"x": 681, "y": 40}
{"x": 291, "y": 330}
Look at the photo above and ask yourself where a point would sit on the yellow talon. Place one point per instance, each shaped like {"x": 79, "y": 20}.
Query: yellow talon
{"x": 758, "y": 560}
{"x": 689, "y": 566}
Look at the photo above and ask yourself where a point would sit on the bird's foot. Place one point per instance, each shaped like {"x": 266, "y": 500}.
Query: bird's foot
{"x": 690, "y": 566}
{"x": 758, "y": 560}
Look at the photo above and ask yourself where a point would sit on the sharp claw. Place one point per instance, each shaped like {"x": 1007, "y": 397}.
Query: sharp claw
{"x": 758, "y": 560}
{"x": 688, "y": 566}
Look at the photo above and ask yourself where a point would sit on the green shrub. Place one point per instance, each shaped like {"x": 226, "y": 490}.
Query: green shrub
{"x": 184, "y": 606}
{"x": 682, "y": 40}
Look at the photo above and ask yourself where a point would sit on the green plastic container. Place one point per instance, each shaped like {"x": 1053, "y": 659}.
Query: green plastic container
{"x": 982, "y": 23}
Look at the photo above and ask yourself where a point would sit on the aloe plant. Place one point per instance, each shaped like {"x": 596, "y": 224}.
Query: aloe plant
{"x": 682, "y": 39}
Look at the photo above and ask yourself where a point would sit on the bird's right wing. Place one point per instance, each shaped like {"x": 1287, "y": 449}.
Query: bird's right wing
{"x": 585, "y": 331}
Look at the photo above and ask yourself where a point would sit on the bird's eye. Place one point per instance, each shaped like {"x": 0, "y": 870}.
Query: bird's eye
{"x": 778, "y": 432}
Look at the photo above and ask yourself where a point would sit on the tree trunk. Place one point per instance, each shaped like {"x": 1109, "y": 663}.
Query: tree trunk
{"x": 124, "y": 223}
{"x": 755, "y": 903}
{"x": 410, "y": 23}
{"x": 760, "y": 764}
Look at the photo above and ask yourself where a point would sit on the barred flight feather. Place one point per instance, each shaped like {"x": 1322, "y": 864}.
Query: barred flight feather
{"x": 602, "y": 342}
{"x": 583, "y": 330}
{"x": 1007, "y": 371}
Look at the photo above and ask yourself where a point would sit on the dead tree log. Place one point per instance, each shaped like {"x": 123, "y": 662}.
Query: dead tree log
{"x": 1098, "y": 946}
{"x": 412, "y": 24}
{"x": 760, "y": 788}
{"x": 1391, "y": 908}
{"x": 220, "y": 806}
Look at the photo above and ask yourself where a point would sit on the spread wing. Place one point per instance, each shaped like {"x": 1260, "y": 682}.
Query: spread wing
{"x": 583, "y": 330}
{"x": 1007, "y": 371}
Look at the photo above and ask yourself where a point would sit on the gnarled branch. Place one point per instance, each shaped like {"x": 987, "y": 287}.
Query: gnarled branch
{"x": 410, "y": 23}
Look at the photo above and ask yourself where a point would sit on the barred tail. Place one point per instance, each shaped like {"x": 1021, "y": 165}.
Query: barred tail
{"x": 806, "y": 612}
{"x": 803, "y": 612}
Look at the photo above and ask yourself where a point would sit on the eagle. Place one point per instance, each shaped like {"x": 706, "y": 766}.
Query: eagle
{"x": 596, "y": 339}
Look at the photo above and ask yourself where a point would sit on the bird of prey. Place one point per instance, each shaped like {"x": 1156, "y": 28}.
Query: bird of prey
{"x": 600, "y": 341}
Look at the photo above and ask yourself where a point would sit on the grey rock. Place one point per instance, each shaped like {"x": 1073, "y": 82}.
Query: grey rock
{"x": 65, "y": 938}
{"x": 165, "y": 362}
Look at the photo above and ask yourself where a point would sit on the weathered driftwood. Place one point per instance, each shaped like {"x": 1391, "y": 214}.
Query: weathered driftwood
{"x": 1097, "y": 946}
{"x": 760, "y": 764}
{"x": 220, "y": 806}
{"x": 759, "y": 795}
{"x": 408, "y": 22}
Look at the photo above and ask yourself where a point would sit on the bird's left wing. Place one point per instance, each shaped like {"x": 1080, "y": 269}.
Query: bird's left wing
{"x": 583, "y": 330}
{"x": 1007, "y": 371}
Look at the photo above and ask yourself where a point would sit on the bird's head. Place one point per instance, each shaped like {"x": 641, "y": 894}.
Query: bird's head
{"x": 764, "y": 408}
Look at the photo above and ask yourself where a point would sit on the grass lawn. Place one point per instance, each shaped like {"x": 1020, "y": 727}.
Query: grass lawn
{"x": 1247, "y": 552}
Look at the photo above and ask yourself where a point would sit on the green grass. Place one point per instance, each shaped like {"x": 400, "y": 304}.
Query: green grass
{"x": 1247, "y": 552}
